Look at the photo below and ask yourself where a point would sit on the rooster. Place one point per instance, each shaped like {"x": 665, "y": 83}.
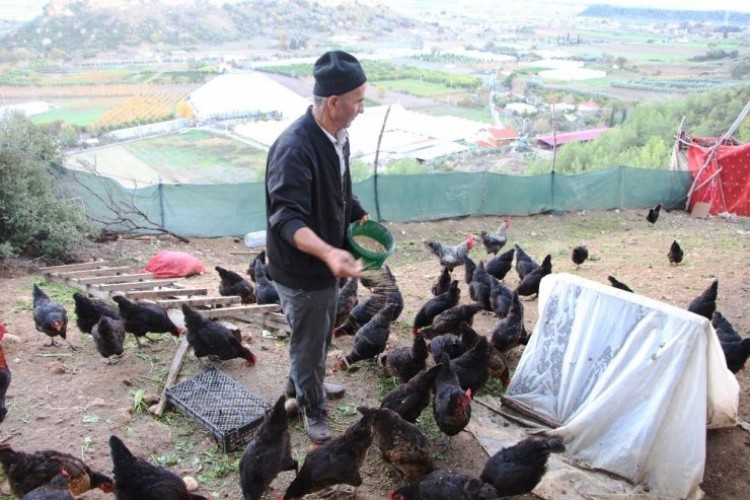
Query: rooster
{"x": 579, "y": 255}
{"x": 50, "y": 317}
{"x": 493, "y": 242}
{"x": 209, "y": 338}
{"x": 268, "y": 453}
{"x": 653, "y": 213}
{"x": 500, "y": 265}
{"x": 619, "y": 284}
{"x": 451, "y": 256}
{"x": 736, "y": 349}
{"x": 143, "y": 317}
{"x": 88, "y": 311}
{"x": 451, "y": 405}
{"x": 5, "y": 375}
{"x": 109, "y": 335}
{"x": 675, "y": 253}
{"x": 137, "y": 479}
{"x": 445, "y": 485}
{"x": 405, "y": 362}
{"x": 705, "y": 303}
{"x": 232, "y": 284}
{"x": 524, "y": 263}
{"x": 409, "y": 399}
{"x": 529, "y": 285}
{"x": 57, "y": 489}
{"x": 436, "y": 305}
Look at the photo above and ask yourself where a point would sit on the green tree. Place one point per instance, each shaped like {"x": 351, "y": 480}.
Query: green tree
{"x": 35, "y": 220}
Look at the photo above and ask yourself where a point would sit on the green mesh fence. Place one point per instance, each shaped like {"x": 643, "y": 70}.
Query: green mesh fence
{"x": 235, "y": 209}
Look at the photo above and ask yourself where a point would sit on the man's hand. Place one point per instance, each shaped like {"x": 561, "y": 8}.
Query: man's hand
{"x": 364, "y": 219}
{"x": 342, "y": 263}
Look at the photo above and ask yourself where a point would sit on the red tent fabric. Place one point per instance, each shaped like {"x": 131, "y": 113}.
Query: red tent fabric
{"x": 724, "y": 183}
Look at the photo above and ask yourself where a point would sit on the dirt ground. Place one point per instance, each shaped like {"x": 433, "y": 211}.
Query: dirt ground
{"x": 73, "y": 402}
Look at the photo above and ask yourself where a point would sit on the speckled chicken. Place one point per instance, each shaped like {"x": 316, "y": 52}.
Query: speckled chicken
{"x": 265, "y": 291}
{"x": 346, "y": 301}
{"x": 88, "y": 311}
{"x": 493, "y": 242}
{"x": 705, "y": 303}
{"x": 233, "y": 284}
{"x": 57, "y": 489}
{"x": 5, "y": 375}
{"x": 517, "y": 469}
{"x": 448, "y": 320}
{"x": 619, "y": 284}
{"x": 675, "y": 253}
{"x": 409, "y": 399}
{"x": 436, "y": 305}
{"x": 50, "y": 317}
{"x": 443, "y": 282}
{"x": 451, "y": 406}
{"x": 444, "y": 484}
{"x": 405, "y": 362}
{"x": 109, "y": 336}
{"x": 524, "y": 263}
{"x": 499, "y": 266}
{"x": 509, "y": 331}
{"x": 268, "y": 453}
{"x": 336, "y": 462}
{"x": 370, "y": 340}
{"x": 736, "y": 349}
{"x": 210, "y": 338}
{"x": 579, "y": 255}
{"x": 529, "y": 285}
{"x": 143, "y": 317}
{"x": 451, "y": 256}
{"x": 27, "y": 471}
{"x": 401, "y": 443}
{"x": 137, "y": 479}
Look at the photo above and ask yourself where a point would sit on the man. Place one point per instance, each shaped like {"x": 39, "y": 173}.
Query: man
{"x": 309, "y": 204}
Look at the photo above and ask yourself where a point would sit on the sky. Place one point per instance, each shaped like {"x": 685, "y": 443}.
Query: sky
{"x": 25, "y": 10}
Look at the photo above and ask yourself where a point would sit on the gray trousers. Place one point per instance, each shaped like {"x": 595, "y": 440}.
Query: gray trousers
{"x": 310, "y": 314}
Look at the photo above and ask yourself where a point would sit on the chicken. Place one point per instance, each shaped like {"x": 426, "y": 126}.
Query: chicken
{"x": 109, "y": 336}
{"x": 56, "y": 489}
{"x": 370, "y": 340}
{"x": 500, "y": 299}
{"x": 579, "y": 255}
{"x": 499, "y": 266}
{"x": 453, "y": 345}
{"x": 393, "y": 296}
{"x": 265, "y": 291}
{"x": 405, "y": 362}
{"x": 736, "y": 349}
{"x": 451, "y": 405}
{"x": 509, "y": 331}
{"x": 469, "y": 267}
{"x": 619, "y": 284}
{"x": 401, "y": 443}
{"x": 653, "y": 213}
{"x": 472, "y": 367}
{"x": 675, "y": 253}
{"x": 261, "y": 259}
{"x": 451, "y": 256}
{"x": 50, "y": 317}
{"x": 529, "y": 285}
{"x": 445, "y": 485}
{"x": 365, "y": 310}
{"x": 517, "y": 469}
{"x": 346, "y": 301}
{"x": 88, "y": 311}
{"x": 443, "y": 282}
{"x": 268, "y": 453}
{"x": 209, "y": 338}
{"x": 524, "y": 263}
{"x": 336, "y": 462}
{"x": 143, "y": 317}
{"x": 436, "y": 305}
{"x": 232, "y": 284}
{"x": 137, "y": 479}
{"x": 27, "y": 471}
{"x": 5, "y": 375}
{"x": 448, "y": 320}
{"x": 409, "y": 399}
{"x": 493, "y": 242}
{"x": 705, "y": 303}
{"x": 480, "y": 288}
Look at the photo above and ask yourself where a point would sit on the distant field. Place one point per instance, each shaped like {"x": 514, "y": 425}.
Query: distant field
{"x": 416, "y": 87}
{"x": 81, "y": 112}
{"x": 476, "y": 114}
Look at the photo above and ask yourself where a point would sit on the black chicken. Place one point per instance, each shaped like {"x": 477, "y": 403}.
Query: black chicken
{"x": 448, "y": 320}
{"x": 675, "y": 253}
{"x": 529, "y": 285}
{"x": 50, "y": 317}
{"x": 137, "y": 479}
{"x": 209, "y": 338}
{"x": 451, "y": 405}
{"x": 524, "y": 263}
{"x": 405, "y": 362}
{"x": 480, "y": 287}
{"x": 705, "y": 303}
{"x": 259, "y": 258}
{"x": 5, "y": 375}
{"x": 445, "y": 485}
{"x": 619, "y": 284}
{"x": 346, "y": 300}
{"x": 268, "y": 453}
{"x": 736, "y": 349}
{"x": 517, "y": 469}
{"x": 472, "y": 367}
{"x": 509, "y": 331}
{"x": 88, "y": 311}
{"x": 371, "y": 339}
{"x": 499, "y": 266}
{"x": 233, "y": 284}
{"x": 579, "y": 255}
{"x": 436, "y": 305}
{"x": 469, "y": 268}
{"x": 393, "y": 296}
{"x": 493, "y": 242}
{"x": 401, "y": 443}
{"x": 653, "y": 213}
{"x": 443, "y": 282}
{"x": 143, "y": 317}
{"x": 500, "y": 298}
{"x": 409, "y": 399}
{"x": 27, "y": 471}
{"x": 365, "y": 310}
{"x": 57, "y": 489}
{"x": 265, "y": 291}
{"x": 336, "y": 462}
{"x": 454, "y": 345}
{"x": 109, "y": 336}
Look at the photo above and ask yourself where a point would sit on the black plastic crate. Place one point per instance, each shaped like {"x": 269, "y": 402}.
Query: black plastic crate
{"x": 221, "y": 405}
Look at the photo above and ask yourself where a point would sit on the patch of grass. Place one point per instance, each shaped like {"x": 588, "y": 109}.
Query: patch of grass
{"x": 139, "y": 405}
{"x": 493, "y": 387}
{"x": 476, "y": 114}
{"x": 416, "y": 87}
{"x": 386, "y": 385}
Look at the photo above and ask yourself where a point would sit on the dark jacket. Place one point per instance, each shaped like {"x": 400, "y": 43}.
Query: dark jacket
{"x": 304, "y": 189}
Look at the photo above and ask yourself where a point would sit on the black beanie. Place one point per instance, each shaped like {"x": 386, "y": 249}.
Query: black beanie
{"x": 337, "y": 72}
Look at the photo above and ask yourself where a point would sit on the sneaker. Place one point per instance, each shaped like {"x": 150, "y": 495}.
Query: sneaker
{"x": 317, "y": 428}
{"x": 333, "y": 391}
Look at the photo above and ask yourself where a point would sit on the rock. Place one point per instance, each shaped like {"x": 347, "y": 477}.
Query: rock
{"x": 291, "y": 407}
{"x": 191, "y": 483}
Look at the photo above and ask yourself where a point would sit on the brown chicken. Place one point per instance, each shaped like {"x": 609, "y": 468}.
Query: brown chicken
{"x": 451, "y": 405}
{"x": 499, "y": 266}
{"x": 268, "y": 453}
{"x": 336, "y": 462}
{"x": 409, "y": 399}
{"x": 109, "y": 336}
{"x": 705, "y": 303}
{"x": 143, "y": 317}
{"x": 443, "y": 282}
{"x": 370, "y": 340}
{"x": 445, "y": 485}
{"x": 346, "y": 301}
{"x": 89, "y": 310}
{"x": 405, "y": 362}
{"x": 27, "y": 471}
{"x": 57, "y": 489}
{"x": 5, "y": 375}
{"x": 137, "y": 479}
{"x": 401, "y": 443}
{"x": 451, "y": 256}
{"x": 50, "y": 317}
{"x": 436, "y": 305}
{"x": 209, "y": 338}
{"x": 529, "y": 285}
{"x": 449, "y": 320}
{"x": 233, "y": 283}
{"x": 517, "y": 469}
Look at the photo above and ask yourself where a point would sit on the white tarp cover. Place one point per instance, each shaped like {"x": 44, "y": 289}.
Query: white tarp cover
{"x": 633, "y": 382}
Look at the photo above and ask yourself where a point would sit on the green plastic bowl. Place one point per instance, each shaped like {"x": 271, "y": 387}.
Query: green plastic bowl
{"x": 377, "y": 235}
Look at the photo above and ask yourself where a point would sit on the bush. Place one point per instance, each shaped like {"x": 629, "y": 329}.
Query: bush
{"x": 35, "y": 220}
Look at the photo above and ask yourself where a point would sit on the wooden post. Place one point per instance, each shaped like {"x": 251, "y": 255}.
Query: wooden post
{"x": 174, "y": 369}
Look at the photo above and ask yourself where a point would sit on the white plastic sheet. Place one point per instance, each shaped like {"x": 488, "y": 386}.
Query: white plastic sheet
{"x": 633, "y": 382}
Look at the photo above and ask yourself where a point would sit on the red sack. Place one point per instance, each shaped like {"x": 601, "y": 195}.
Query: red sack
{"x": 169, "y": 264}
